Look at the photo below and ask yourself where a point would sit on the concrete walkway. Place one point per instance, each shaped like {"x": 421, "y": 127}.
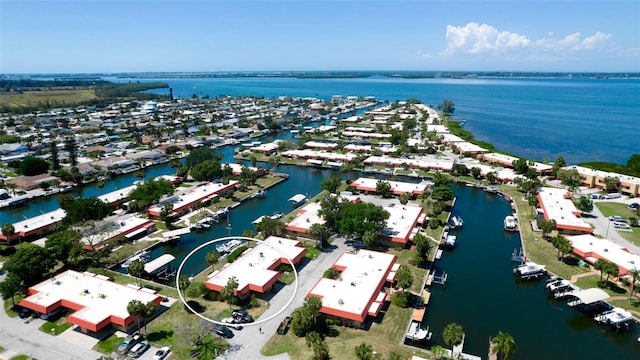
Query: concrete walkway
{"x": 575, "y": 278}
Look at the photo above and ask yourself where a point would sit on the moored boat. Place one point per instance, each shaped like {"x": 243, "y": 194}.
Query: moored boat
{"x": 529, "y": 270}
{"x": 510, "y": 223}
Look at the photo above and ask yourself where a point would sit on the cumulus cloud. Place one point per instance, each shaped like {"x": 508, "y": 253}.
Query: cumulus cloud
{"x": 481, "y": 39}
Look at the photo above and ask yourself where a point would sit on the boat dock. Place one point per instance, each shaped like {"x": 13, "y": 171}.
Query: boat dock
{"x": 458, "y": 354}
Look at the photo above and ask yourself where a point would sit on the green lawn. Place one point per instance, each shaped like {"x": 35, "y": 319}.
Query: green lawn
{"x": 536, "y": 248}
{"x": 108, "y": 345}
{"x": 55, "y": 327}
{"x": 60, "y": 97}
{"x": 612, "y": 289}
{"x": 384, "y": 336}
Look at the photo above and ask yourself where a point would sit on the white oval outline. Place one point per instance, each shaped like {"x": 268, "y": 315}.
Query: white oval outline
{"x": 295, "y": 273}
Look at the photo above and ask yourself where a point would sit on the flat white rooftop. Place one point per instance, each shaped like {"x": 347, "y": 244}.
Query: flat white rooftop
{"x": 307, "y": 216}
{"x": 199, "y": 193}
{"x": 591, "y": 246}
{"x": 363, "y": 275}
{"x": 557, "y": 205}
{"x": 98, "y": 297}
{"x": 39, "y": 221}
{"x": 253, "y": 270}
{"x": 397, "y": 187}
{"x": 117, "y": 195}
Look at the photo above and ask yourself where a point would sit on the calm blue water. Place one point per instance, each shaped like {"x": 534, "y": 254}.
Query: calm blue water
{"x": 579, "y": 119}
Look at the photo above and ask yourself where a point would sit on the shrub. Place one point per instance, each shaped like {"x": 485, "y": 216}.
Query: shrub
{"x": 400, "y": 300}
{"x": 235, "y": 253}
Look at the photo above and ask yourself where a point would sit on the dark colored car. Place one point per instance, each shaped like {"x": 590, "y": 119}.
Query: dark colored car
{"x": 223, "y": 331}
{"x": 284, "y": 326}
{"x": 25, "y": 313}
{"x": 242, "y": 316}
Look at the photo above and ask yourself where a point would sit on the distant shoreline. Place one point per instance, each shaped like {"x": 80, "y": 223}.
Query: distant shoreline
{"x": 341, "y": 75}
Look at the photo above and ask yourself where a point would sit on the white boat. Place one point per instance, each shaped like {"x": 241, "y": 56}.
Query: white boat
{"x": 142, "y": 255}
{"x": 277, "y": 215}
{"x": 457, "y": 222}
{"x": 616, "y": 317}
{"x": 417, "y": 333}
{"x": 510, "y": 223}
{"x": 557, "y": 285}
{"x": 229, "y": 246}
{"x": 491, "y": 189}
{"x": 529, "y": 270}
{"x": 261, "y": 194}
{"x": 450, "y": 241}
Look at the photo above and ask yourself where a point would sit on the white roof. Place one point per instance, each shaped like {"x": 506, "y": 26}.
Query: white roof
{"x": 117, "y": 195}
{"x": 297, "y": 198}
{"x": 156, "y": 264}
{"x": 307, "y": 216}
{"x": 605, "y": 249}
{"x": 99, "y": 297}
{"x": 419, "y": 162}
{"x": 469, "y": 147}
{"x": 397, "y": 187}
{"x": 40, "y": 221}
{"x": 254, "y": 266}
{"x": 402, "y": 220}
{"x": 118, "y": 226}
{"x": 557, "y": 205}
{"x": 591, "y": 295}
{"x": 196, "y": 194}
{"x": 363, "y": 276}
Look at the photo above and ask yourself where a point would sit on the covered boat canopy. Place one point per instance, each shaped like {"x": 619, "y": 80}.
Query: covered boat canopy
{"x": 590, "y": 296}
{"x": 298, "y": 198}
{"x": 155, "y": 265}
{"x": 175, "y": 233}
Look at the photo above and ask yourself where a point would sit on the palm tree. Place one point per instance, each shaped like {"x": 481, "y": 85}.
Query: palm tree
{"x": 635, "y": 273}
{"x": 452, "y": 335}
{"x": 321, "y": 232}
{"x": 212, "y": 258}
{"x": 504, "y": 345}
{"x": 562, "y": 244}
{"x": 136, "y": 308}
{"x": 438, "y": 352}
{"x": 600, "y": 264}
{"x": 136, "y": 268}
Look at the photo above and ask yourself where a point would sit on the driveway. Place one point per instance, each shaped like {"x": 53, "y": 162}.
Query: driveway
{"x": 246, "y": 343}
{"x": 18, "y": 337}
{"x": 603, "y": 226}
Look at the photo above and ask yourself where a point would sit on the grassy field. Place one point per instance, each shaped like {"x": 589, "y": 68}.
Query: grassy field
{"x": 53, "y": 97}
{"x": 610, "y": 288}
{"x": 384, "y": 336}
{"x": 613, "y": 208}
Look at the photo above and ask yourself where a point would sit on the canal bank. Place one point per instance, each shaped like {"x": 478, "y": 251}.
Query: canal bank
{"x": 484, "y": 297}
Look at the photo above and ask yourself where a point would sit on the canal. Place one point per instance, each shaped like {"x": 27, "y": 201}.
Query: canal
{"x": 483, "y": 296}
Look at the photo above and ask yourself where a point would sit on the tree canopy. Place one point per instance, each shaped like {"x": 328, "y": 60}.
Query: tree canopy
{"x": 357, "y": 219}
{"x": 83, "y": 209}
{"x": 149, "y": 193}
{"x": 32, "y": 165}
{"x": 331, "y": 184}
{"x": 31, "y": 263}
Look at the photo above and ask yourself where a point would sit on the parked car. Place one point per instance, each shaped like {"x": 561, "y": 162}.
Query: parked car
{"x": 617, "y": 218}
{"x": 161, "y": 353}
{"x": 242, "y": 316}
{"x": 129, "y": 342}
{"x": 634, "y": 205}
{"x": 621, "y": 225}
{"x": 25, "y": 313}
{"x": 223, "y": 331}
{"x": 613, "y": 196}
{"x": 232, "y": 323}
{"x": 52, "y": 314}
{"x": 597, "y": 196}
{"x": 139, "y": 349}
{"x": 284, "y": 325}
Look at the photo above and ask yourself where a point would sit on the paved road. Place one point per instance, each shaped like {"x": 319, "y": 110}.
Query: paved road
{"x": 605, "y": 228}
{"x": 249, "y": 340}
{"x": 20, "y": 338}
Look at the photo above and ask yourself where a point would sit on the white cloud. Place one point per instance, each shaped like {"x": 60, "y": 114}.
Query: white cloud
{"x": 480, "y": 39}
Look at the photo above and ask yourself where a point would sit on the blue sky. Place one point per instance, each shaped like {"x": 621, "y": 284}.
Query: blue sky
{"x": 122, "y": 36}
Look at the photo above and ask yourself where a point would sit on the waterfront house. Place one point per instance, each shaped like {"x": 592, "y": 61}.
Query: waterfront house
{"x": 556, "y": 204}
{"x": 35, "y": 227}
{"x": 629, "y": 185}
{"x": 591, "y": 248}
{"x": 187, "y": 201}
{"x": 96, "y": 301}
{"x": 120, "y": 229}
{"x": 256, "y": 269}
{"x": 359, "y": 291}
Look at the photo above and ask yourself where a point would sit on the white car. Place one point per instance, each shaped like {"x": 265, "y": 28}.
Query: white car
{"x": 161, "y": 353}
{"x": 232, "y": 323}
